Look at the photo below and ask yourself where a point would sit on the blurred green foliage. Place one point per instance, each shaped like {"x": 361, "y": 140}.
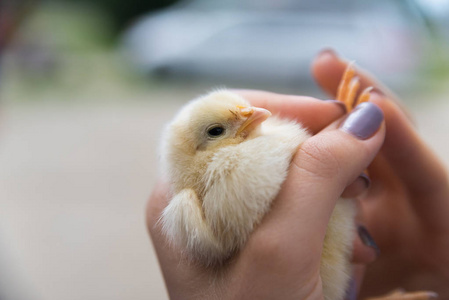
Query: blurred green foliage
{"x": 68, "y": 51}
{"x": 70, "y": 27}
{"x": 123, "y": 12}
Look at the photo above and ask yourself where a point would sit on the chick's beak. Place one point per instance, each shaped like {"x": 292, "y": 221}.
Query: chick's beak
{"x": 254, "y": 117}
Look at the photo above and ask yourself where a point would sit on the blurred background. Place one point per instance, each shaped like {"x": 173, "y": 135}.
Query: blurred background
{"x": 86, "y": 86}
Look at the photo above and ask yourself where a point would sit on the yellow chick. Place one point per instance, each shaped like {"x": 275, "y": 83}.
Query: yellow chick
{"x": 226, "y": 161}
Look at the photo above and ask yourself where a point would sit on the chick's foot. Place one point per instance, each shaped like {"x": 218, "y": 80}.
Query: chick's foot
{"x": 348, "y": 89}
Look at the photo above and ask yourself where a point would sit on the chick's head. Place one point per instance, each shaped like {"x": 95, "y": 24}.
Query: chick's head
{"x": 216, "y": 120}
{"x": 206, "y": 124}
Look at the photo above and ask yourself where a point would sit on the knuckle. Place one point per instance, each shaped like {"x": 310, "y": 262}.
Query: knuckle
{"x": 318, "y": 159}
{"x": 266, "y": 246}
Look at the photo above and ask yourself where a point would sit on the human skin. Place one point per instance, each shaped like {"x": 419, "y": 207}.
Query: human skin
{"x": 281, "y": 259}
{"x": 405, "y": 210}
{"x": 407, "y": 207}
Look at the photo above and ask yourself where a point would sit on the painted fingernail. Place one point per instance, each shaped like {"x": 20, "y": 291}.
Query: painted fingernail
{"x": 351, "y": 293}
{"x": 339, "y": 103}
{"x": 363, "y": 121}
{"x": 365, "y": 178}
{"x": 367, "y": 239}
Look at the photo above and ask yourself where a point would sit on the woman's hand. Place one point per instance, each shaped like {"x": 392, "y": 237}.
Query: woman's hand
{"x": 282, "y": 257}
{"x": 407, "y": 207}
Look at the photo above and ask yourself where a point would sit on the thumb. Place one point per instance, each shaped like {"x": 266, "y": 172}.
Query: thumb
{"x": 324, "y": 165}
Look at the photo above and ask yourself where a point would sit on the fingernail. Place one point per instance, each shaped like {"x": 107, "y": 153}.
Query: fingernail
{"x": 363, "y": 121}
{"x": 339, "y": 103}
{"x": 351, "y": 293}
{"x": 328, "y": 51}
{"x": 367, "y": 239}
{"x": 366, "y": 178}
{"x": 377, "y": 91}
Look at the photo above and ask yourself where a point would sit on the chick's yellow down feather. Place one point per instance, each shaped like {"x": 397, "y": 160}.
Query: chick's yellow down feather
{"x": 225, "y": 162}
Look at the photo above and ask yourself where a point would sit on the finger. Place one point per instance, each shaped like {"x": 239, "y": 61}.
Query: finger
{"x": 177, "y": 273}
{"x": 365, "y": 249}
{"x": 415, "y": 164}
{"x": 328, "y": 69}
{"x": 358, "y": 187}
{"x": 422, "y": 173}
{"x": 324, "y": 165}
{"x": 313, "y": 114}
{"x": 156, "y": 204}
{"x": 361, "y": 253}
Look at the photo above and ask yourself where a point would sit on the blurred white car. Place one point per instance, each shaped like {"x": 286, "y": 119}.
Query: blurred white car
{"x": 260, "y": 41}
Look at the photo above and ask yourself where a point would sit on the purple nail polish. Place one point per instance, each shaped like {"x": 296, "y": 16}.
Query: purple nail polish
{"x": 367, "y": 239}
{"x": 351, "y": 293}
{"x": 366, "y": 178}
{"x": 363, "y": 121}
{"x": 339, "y": 103}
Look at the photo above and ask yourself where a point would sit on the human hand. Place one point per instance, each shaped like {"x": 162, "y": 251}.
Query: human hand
{"x": 407, "y": 208}
{"x": 282, "y": 257}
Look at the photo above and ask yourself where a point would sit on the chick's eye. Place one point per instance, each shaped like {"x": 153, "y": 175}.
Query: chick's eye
{"x": 215, "y": 131}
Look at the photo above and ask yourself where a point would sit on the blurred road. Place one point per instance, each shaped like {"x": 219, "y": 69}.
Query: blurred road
{"x": 74, "y": 180}
{"x": 73, "y": 187}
